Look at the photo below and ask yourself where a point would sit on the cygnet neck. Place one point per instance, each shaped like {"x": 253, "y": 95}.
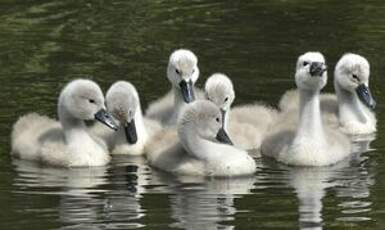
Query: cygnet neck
{"x": 178, "y": 102}
{"x": 226, "y": 120}
{"x": 199, "y": 147}
{"x": 74, "y": 128}
{"x": 310, "y": 123}
{"x": 139, "y": 122}
{"x": 350, "y": 108}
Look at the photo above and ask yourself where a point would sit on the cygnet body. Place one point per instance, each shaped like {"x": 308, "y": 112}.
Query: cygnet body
{"x": 134, "y": 131}
{"x": 199, "y": 146}
{"x": 307, "y": 142}
{"x": 182, "y": 72}
{"x": 352, "y": 106}
{"x": 247, "y": 125}
{"x": 66, "y": 143}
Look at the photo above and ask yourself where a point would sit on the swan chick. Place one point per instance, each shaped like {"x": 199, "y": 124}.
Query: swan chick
{"x": 134, "y": 131}
{"x": 199, "y": 146}
{"x": 306, "y": 141}
{"x": 182, "y": 73}
{"x": 247, "y": 125}
{"x": 352, "y": 107}
{"x": 355, "y": 101}
{"x": 219, "y": 89}
{"x": 67, "y": 142}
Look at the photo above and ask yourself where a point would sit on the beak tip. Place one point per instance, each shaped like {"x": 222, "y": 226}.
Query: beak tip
{"x": 223, "y": 137}
{"x": 104, "y": 117}
{"x": 365, "y": 96}
{"x": 187, "y": 89}
{"x": 130, "y": 131}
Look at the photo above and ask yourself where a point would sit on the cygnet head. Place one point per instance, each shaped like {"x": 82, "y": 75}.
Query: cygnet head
{"x": 203, "y": 119}
{"x": 83, "y": 99}
{"x": 122, "y": 101}
{"x": 352, "y": 74}
{"x": 183, "y": 72}
{"x": 311, "y": 71}
{"x": 219, "y": 89}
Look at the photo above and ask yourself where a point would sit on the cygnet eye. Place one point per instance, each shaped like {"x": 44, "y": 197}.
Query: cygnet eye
{"x": 226, "y": 99}
{"x": 177, "y": 71}
{"x": 207, "y": 96}
{"x": 355, "y": 77}
{"x": 218, "y": 119}
{"x": 305, "y": 63}
{"x": 91, "y": 101}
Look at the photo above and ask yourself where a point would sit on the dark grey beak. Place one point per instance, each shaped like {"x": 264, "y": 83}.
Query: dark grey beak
{"x": 104, "y": 117}
{"x": 365, "y": 96}
{"x": 187, "y": 89}
{"x": 223, "y": 137}
{"x": 130, "y": 130}
{"x": 317, "y": 69}
{"x": 223, "y": 113}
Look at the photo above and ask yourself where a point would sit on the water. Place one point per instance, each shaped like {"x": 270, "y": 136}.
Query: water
{"x": 44, "y": 44}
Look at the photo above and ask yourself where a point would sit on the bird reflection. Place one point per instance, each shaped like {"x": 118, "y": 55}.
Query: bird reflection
{"x": 204, "y": 203}
{"x": 90, "y": 198}
{"x": 128, "y": 178}
{"x": 349, "y": 179}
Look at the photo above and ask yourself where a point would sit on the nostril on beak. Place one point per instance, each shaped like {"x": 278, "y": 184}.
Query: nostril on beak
{"x": 317, "y": 68}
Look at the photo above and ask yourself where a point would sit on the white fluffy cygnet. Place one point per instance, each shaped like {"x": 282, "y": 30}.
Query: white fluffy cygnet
{"x": 182, "y": 72}
{"x": 304, "y": 140}
{"x": 352, "y": 106}
{"x": 134, "y": 131}
{"x": 200, "y": 146}
{"x": 66, "y": 143}
{"x": 247, "y": 125}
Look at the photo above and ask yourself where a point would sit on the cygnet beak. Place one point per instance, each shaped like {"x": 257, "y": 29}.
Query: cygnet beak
{"x": 363, "y": 93}
{"x": 130, "y": 130}
{"x": 222, "y": 137}
{"x": 104, "y": 117}
{"x": 187, "y": 89}
{"x": 317, "y": 69}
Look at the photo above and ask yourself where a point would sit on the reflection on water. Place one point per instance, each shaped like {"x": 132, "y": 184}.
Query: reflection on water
{"x": 199, "y": 203}
{"x": 44, "y": 44}
{"x": 112, "y": 197}
{"x": 311, "y": 186}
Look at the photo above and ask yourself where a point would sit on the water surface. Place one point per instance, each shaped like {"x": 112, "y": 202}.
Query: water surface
{"x": 44, "y": 44}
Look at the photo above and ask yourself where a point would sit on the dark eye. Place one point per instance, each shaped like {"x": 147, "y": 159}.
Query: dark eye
{"x": 91, "y": 101}
{"x": 177, "y": 71}
{"x": 217, "y": 119}
{"x": 193, "y": 71}
{"x": 226, "y": 99}
{"x": 305, "y": 63}
{"x": 355, "y": 77}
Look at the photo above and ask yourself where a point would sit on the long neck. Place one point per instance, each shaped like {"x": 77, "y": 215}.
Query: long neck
{"x": 310, "y": 123}
{"x": 178, "y": 101}
{"x": 226, "y": 120}
{"x": 198, "y": 147}
{"x": 350, "y": 108}
{"x": 140, "y": 127}
{"x": 73, "y": 128}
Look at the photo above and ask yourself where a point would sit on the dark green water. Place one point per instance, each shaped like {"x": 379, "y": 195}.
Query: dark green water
{"x": 44, "y": 44}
